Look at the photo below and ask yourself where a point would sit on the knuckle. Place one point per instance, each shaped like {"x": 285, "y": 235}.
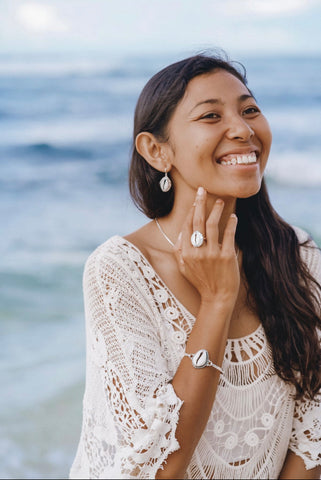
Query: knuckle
{"x": 182, "y": 259}
{"x": 197, "y": 254}
{"x": 183, "y": 254}
{"x": 212, "y": 255}
{"x": 200, "y": 199}
{"x": 232, "y": 224}
{"x": 229, "y": 231}
{"x": 229, "y": 236}
{"x": 199, "y": 221}
{"x": 176, "y": 250}
{"x": 181, "y": 264}
{"x": 226, "y": 256}
{"x": 212, "y": 223}
{"x": 188, "y": 256}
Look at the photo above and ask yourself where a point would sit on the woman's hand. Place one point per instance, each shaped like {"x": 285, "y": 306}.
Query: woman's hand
{"x": 212, "y": 268}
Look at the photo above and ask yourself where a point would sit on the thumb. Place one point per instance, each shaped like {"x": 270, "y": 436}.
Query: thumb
{"x": 178, "y": 243}
{"x": 178, "y": 249}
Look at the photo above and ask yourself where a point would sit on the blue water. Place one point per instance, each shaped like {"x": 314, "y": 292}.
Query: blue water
{"x": 65, "y": 128}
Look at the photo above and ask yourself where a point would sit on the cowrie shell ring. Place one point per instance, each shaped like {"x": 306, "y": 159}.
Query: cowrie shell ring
{"x": 197, "y": 239}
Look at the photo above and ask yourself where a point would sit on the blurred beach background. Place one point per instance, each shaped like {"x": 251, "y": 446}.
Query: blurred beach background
{"x": 70, "y": 75}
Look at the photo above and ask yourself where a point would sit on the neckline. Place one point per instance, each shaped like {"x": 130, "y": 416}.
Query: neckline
{"x": 171, "y": 294}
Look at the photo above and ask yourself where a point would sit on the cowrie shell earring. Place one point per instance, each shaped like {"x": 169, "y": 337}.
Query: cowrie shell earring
{"x": 165, "y": 183}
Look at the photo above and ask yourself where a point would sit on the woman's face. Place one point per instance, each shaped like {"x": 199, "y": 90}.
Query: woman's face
{"x": 218, "y": 138}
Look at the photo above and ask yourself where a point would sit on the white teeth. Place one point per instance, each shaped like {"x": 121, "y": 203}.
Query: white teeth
{"x": 240, "y": 160}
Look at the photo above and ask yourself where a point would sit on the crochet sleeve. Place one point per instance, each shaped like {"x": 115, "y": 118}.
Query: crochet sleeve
{"x": 137, "y": 431}
{"x": 306, "y": 432}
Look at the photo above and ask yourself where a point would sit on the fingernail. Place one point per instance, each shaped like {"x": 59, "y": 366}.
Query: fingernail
{"x": 200, "y": 191}
{"x": 233, "y": 216}
{"x": 219, "y": 201}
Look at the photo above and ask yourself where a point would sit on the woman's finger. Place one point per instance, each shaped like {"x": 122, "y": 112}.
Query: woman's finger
{"x": 212, "y": 229}
{"x": 228, "y": 244}
{"x": 200, "y": 212}
{"x": 178, "y": 250}
{"x": 187, "y": 229}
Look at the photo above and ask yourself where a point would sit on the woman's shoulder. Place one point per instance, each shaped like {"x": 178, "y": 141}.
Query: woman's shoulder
{"x": 114, "y": 249}
{"x": 310, "y": 252}
{"x": 116, "y": 263}
{"x": 133, "y": 245}
{"x": 305, "y": 239}
{"x": 302, "y": 235}
{"x": 306, "y": 242}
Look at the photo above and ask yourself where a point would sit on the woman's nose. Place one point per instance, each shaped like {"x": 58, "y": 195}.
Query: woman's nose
{"x": 239, "y": 129}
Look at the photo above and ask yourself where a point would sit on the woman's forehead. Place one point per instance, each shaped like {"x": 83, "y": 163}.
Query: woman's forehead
{"x": 219, "y": 85}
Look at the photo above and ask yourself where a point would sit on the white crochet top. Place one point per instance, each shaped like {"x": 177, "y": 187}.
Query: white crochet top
{"x": 136, "y": 331}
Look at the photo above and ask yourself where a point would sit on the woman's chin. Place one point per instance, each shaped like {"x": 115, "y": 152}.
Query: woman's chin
{"x": 249, "y": 192}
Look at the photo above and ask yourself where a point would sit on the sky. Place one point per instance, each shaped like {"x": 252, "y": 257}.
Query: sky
{"x": 120, "y": 26}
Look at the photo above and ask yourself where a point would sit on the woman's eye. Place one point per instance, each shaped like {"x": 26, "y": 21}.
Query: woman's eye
{"x": 210, "y": 116}
{"x": 251, "y": 110}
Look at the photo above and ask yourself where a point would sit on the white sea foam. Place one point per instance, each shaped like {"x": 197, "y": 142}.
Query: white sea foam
{"x": 296, "y": 168}
{"x": 45, "y": 66}
{"x": 295, "y": 120}
{"x": 111, "y": 128}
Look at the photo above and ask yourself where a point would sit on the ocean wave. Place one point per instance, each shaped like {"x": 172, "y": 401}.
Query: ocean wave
{"x": 113, "y": 67}
{"x": 296, "y": 121}
{"x": 4, "y": 115}
{"x": 54, "y": 67}
{"x": 295, "y": 168}
{"x": 68, "y": 131}
{"x": 63, "y": 167}
{"x": 50, "y": 151}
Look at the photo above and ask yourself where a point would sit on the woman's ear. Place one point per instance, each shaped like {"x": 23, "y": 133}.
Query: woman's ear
{"x": 152, "y": 151}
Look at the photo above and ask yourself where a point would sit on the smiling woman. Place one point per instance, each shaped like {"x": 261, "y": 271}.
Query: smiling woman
{"x": 203, "y": 326}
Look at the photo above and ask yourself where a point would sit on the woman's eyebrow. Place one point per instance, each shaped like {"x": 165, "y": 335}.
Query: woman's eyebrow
{"x": 210, "y": 101}
{"x": 218, "y": 101}
{"x": 246, "y": 96}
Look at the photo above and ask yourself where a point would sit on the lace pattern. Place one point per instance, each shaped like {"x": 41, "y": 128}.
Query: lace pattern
{"x": 136, "y": 332}
{"x": 306, "y": 433}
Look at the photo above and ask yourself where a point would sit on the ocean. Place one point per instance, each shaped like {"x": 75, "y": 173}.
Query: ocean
{"x": 65, "y": 133}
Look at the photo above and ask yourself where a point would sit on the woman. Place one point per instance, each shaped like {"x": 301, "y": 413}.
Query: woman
{"x": 202, "y": 326}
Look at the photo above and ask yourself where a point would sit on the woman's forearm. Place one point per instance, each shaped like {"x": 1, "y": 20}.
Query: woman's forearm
{"x": 197, "y": 387}
{"x": 294, "y": 468}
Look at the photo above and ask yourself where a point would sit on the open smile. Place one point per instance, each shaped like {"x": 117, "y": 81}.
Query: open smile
{"x": 239, "y": 159}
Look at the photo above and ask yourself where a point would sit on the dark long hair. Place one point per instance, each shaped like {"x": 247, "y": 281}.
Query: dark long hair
{"x": 281, "y": 289}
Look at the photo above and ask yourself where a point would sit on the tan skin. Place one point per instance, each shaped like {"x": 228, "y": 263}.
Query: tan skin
{"x": 216, "y": 117}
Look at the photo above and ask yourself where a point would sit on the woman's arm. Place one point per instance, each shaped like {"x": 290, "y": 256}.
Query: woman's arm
{"x": 214, "y": 271}
{"x": 196, "y": 388}
{"x": 294, "y": 468}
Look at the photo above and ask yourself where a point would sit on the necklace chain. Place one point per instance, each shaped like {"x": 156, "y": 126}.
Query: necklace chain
{"x": 163, "y": 233}
{"x": 172, "y": 244}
